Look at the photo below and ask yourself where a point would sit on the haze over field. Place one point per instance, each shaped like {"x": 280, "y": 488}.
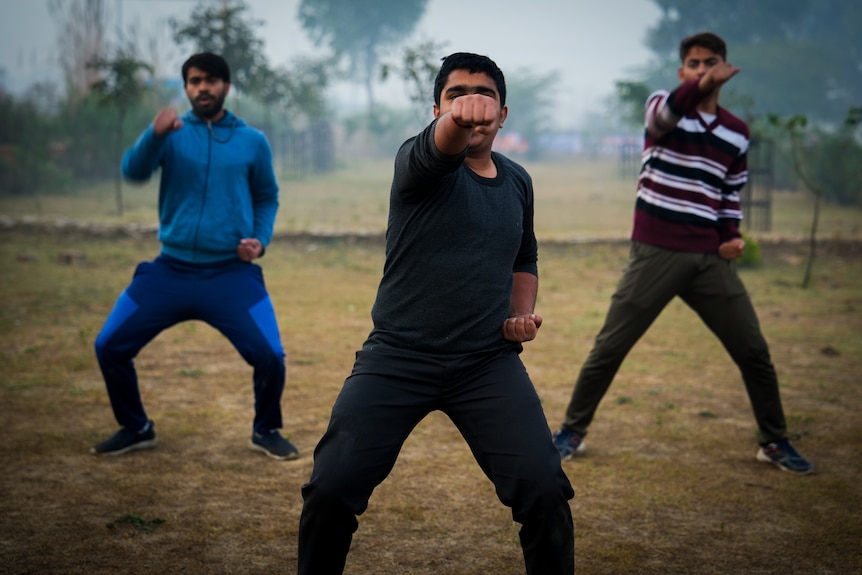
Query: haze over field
{"x": 590, "y": 44}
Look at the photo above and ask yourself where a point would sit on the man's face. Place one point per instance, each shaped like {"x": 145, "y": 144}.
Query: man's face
{"x": 205, "y": 93}
{"x": 461, "y": 83}
{"x": 697, "y": 62}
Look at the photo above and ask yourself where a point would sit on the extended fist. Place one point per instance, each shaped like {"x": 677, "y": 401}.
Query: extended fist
{"x": 717, "y": 76}
{"x": 166, "y": 121}
{"x": 475, "y": 110}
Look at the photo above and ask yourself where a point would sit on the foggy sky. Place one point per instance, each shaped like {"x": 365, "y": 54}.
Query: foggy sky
{"x": 590, "y": 43}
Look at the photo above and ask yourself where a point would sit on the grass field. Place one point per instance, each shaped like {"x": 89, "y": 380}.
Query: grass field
{"x": 669, "y": 483}
{"x": 579, "y": 200}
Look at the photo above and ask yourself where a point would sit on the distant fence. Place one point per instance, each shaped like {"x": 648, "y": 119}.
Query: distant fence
{"x": 629, "y": 160}
{"x": 300, "y": 153}
{"x": 756, "y": 196}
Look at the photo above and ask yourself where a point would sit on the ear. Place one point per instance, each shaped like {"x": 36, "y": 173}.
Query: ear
{"x": 679, "y": 74}
{"x": 436, "y": 111}
{"x": 226, "y": 88}
{"x": 504, "y": 113}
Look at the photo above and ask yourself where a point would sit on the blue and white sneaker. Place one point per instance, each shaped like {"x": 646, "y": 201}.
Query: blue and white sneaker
{"x": 568, "y": 443}
{"x": 785, "y": 457}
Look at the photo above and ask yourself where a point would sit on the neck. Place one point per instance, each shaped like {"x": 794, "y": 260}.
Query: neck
{"x": 482, "y": 165}
{"x": 710, "y": 104}
{"x": 215, "y": 117}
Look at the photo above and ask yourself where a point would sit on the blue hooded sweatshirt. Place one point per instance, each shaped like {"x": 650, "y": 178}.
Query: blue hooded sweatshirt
{"x": 217, "y": 186}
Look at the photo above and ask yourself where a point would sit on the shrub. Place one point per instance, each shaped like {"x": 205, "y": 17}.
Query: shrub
{"x": 751, "y": 255}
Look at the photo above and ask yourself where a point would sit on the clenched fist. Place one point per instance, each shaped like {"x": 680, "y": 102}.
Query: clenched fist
{"x": 249, "y": 249}
{"x": 522, "y": 328}
{"x": 473, "y": 110}
{"x": 732, "y": 249}
{"x": 166, "y": 121}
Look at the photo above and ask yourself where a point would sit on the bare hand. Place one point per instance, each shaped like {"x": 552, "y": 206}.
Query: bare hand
{"x": 522, "y": 328}
{"x": 166, "y": 121}
{"x": 732, "y": 249}
{"x": 717, "y": 76}
{"x": 249, "y": 249}
{"x": 475, "y": 110}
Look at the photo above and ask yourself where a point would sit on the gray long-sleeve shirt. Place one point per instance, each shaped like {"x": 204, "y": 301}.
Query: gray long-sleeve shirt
{"x": 453, "y": 241}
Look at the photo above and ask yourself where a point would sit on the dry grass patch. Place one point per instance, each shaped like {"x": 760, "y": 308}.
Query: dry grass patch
{"x": 669, "y": 483}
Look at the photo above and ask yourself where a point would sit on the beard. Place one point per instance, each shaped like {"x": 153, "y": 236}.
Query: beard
{"x": 211, "y": 108}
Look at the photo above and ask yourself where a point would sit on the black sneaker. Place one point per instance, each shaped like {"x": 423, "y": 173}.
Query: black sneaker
{"x": 785, "y": 457}
{"x": 274, "y": 445}
{"x": 127, "y": 440}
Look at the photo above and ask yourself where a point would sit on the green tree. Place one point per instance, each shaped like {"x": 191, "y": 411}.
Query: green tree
{"x": 225, "y": 29}
{"x": 846, "y": 156}
{"x": 796, "y": 56}
{"x": 121, "y": 87}
{"x": 631, "y": 97}
{"x": 295, "y": 96}
{"x": 359, "y": 31}
{"x": 418, "y": 68}
{"x": 27, "y": 132}
{"x": 298, "y": 90}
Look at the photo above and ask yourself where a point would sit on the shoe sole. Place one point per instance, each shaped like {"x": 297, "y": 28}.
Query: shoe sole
{"x": 148, "y": 444}
{"x": 766, "y": 459}
{"x": 262, "y": 449}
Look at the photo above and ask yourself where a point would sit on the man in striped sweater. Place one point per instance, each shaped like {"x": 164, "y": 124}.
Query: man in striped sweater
{"x": 684, "y": 243}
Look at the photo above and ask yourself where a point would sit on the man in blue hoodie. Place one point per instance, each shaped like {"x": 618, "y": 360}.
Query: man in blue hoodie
{"x": 217, "y": 203}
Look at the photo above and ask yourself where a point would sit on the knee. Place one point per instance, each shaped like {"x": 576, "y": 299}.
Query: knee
{"x": 542, "y": 495}
{"x": 103, "y": 347}
{"x": 262, "y": 354}
{"x": 272, "y": 362}
{"x": 331, "y": 498}
{"x": 754, "y": 351}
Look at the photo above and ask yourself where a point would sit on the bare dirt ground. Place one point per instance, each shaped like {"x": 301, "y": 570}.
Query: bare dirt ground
{"x": 669, "y": 483}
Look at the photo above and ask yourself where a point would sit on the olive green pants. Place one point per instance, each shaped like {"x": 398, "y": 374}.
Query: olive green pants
{"x": 711, "y": 287}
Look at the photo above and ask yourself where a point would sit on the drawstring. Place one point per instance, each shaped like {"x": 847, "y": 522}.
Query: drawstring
{"x": 216, "y": 138}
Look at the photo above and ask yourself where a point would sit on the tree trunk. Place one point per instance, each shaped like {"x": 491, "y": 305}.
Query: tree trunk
{"x": 812, "y": 240}
{"x": 121, "y": 114}
{"x": 370, "y": 68}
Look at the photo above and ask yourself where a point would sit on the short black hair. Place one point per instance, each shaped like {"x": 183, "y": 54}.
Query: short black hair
{"x": 707, "y": 40}
{"x": 212, "y": 64}
{"x": 473, "y": 63}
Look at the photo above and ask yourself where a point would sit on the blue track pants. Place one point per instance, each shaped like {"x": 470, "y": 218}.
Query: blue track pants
{"x": 229, "y": 296}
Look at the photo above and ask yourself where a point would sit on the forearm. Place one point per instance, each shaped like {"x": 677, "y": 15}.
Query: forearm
{"x": 525, "y": 288}
{"x": 264, "y": 220}
{"x": 264, "y": 193}
{"x": 664, "y": 113}
{"x": 449, "y": 137}
{"x": 141, "y": 160}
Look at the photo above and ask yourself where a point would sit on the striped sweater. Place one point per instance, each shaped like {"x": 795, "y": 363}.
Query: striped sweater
{"x": 693, "y": 169}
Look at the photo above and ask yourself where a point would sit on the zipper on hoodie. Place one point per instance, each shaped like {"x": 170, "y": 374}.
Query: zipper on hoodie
{"x": 204, "y": 196}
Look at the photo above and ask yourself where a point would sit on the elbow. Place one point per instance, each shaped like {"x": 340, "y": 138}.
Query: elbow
{"x": 134, "y": 172}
